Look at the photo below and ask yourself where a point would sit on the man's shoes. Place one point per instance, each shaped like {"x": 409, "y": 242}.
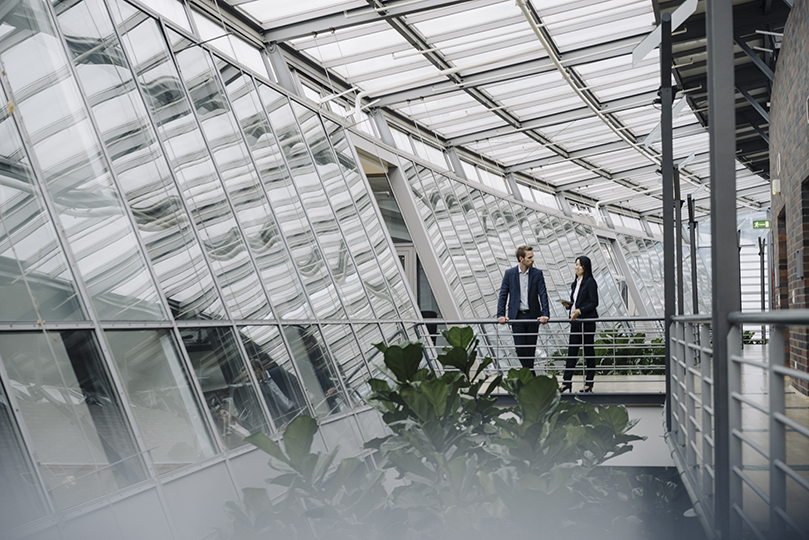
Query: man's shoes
{"x": 566, "y": 387}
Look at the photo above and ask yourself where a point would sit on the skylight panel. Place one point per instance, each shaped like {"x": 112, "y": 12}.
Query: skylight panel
{"x": 462, "y": 128}
{"x": 487, "y": 15}
{"x": 635, "y": 26}
{"x": 440, "y": 104}
{"x": 274, "y": 11}
{"x": 328, "y": 49}
{"x": 489, "y": 59}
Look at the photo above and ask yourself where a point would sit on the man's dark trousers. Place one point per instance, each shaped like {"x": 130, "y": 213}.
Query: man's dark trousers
{"x": 525, "y": 338}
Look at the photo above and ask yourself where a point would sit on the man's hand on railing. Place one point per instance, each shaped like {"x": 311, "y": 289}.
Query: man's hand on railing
{"x": 502, "y": 320}
{"x": 543, "y": 320}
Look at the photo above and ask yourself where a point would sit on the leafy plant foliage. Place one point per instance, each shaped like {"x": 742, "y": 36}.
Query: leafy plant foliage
{"x": 455, "y": 464}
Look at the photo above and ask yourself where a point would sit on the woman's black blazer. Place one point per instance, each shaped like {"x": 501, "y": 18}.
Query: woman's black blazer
{"x": 588, "y": 298}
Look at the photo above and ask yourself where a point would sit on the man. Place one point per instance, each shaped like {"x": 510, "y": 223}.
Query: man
{"x": 524, "y": 287}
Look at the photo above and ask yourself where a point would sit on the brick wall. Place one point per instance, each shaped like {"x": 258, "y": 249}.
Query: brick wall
{"x": 789, "y": 138}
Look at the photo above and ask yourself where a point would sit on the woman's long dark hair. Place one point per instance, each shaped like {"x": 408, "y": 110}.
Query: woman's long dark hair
{"x": 588, "y": 269}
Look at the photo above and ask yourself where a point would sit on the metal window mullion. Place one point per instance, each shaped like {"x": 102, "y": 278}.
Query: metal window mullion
{"x": 294, "y": 363}
{"x": 69, "y": 256}
{"x": 328, "y": 201}
{"x": 294, "y": 187}
{"x": 263, "y": 188}
{"x": 110, "y": 168}
{"x": 199, "y": 395}
{"x": 334, "y": 362}
{"x": 215, "y": 165}
{"x": 27, "y": 442}
{"x": 252, "y": 376}
{"x": 160, "y": 142}
{"x": 383, "y": 227}
{"x": 778, "y": 445}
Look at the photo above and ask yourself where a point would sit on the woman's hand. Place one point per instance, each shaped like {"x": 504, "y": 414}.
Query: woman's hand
{"x": 575, "y": 314}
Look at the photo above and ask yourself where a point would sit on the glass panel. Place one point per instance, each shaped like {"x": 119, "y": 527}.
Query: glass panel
{"x": 19, "y": 498}
{"x": 162, "y": 397}
{"x": 270, "y": 362}
{"x": 325, "y": 197}
{"x": 36, "y": 283}
{"x": 222, "y": 374}
{"x": 189, "y": 159}
{"x": 138, "y": 161}
{"x": 374, "y": 239}
{"x": 320, "y": 379}
{"x": 307, "y": 255}
{"x": 233, "y": 162}
{"x": 65, "y": 396}
{"x": 349, "y": 359}
{"x": 73, "y": 166}
{"x": 269, "y": 248}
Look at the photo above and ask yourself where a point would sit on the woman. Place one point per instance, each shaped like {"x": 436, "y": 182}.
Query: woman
{"x": 582, "y": 305}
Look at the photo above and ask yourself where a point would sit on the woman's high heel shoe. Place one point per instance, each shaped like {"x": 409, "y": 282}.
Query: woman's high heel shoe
{"x": 588, "y": 388}
{"x": 566, "y": 387}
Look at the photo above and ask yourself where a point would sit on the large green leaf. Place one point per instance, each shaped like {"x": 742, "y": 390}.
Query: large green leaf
{"x": 459, "y": 336}
{"x": 407, "y": 462}
{"x": 267, "y": 445}
{"x": 456, "y": 357}
{"x": 418, "y": 403}
{"x": 436, "y": 391}
{"x": 537, "y": 396}
{"x": 298, "y": 438}
{"x": 404, "y": 361}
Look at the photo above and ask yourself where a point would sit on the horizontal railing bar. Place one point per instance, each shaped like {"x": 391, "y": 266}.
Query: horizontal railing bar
{"x": 696, "y": 450}
{"x": 738, "y": 397}
{"x": 792, "y": 474}
{"x": 747, "y": 520}
{"x": 752, "y": 485}
{"x": 694, "y": 319}
{"x": 791, "y": 423}
{"x": 779, "y": 317}
{"x": 788, "y": 520}
{"x": 558, "y": 321}
{"x": 755, "y": 446}
{"x": 795, "y": 374}
{"x": 754, "y": 363}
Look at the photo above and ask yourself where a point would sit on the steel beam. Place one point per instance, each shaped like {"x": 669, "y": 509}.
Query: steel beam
{"x": 667, "y": 169}
{"x": 726, "y": 291}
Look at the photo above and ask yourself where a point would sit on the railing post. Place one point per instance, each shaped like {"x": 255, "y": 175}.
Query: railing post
{"x": 734, "y": 422}
{"x": 691, "y": 439}
{"x": 778, "y": 447}
{"x": 708, "y": 448}
{"x": 726, "y": 289}
{"x": 667, "y": 171}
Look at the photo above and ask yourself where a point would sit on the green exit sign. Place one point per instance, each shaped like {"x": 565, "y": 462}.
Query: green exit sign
{"x": 761, "y": 224}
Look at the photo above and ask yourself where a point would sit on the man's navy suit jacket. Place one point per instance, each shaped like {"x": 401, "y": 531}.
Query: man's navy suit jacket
{"x": 537, "y": 294}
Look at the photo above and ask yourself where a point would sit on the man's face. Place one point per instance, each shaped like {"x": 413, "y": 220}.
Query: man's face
{"x": 528, "y": 260}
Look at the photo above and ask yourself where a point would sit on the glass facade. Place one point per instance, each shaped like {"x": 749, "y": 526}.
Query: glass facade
{"x": 189, "y": 255}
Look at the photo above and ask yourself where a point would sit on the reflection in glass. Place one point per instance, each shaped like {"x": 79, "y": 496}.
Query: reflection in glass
{"x": 349, "y": 359}
{"x": 74, "y": 168}
{"x": 138, "y": 161}
{"x": 323, "y": 194}
{"x": 268, "y": 246}
{"x": 19, "y": 498}
{"x": 161, "y": 395}
{"x": 368, "y": 238}
{"x": 278, "y": 380}
{"x": 233, "y": 162}
{"x": 36, "y": 283}
{"x": 222, "y": 374}
{"x": 320, "y": 379}
{"x": 308, "y": 257}
{"x": 73, "y": 414}
{"x": 200, "y": 187}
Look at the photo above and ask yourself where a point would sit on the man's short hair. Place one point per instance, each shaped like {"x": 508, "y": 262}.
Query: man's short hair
{"x": 520, "y": 253}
